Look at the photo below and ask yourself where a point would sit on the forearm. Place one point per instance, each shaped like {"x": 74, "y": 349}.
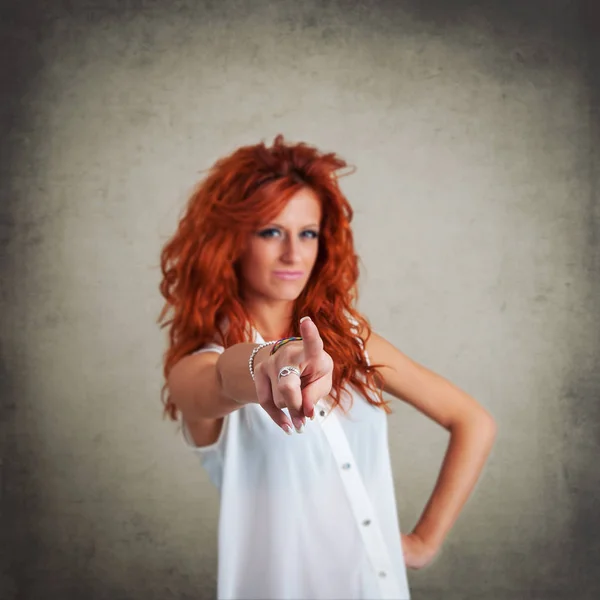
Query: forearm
{"x": 468, "y": 449}
{"x": 212, "y": 388}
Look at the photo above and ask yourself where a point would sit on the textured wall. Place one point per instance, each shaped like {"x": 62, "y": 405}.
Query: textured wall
{"x": 474, "y": 126}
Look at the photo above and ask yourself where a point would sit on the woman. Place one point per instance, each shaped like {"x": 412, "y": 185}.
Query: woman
{"x": 264, "y": 253}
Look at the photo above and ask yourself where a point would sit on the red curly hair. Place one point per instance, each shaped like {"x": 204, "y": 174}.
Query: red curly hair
{"x": 199, "y": 264}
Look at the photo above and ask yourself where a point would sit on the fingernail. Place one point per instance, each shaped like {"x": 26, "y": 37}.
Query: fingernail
{"x": 304, "y": 319}
{"x": 287, "y": 429}
{"x": 298, "y": 425}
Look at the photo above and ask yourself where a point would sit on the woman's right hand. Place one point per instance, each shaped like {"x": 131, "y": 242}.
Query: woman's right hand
{"x": 298, "y": 394}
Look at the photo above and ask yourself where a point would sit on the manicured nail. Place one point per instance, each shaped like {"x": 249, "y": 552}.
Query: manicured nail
{"x": 298, "y": 425}
{"x": 287, "y": 429}
{"x": 304, "y": 319}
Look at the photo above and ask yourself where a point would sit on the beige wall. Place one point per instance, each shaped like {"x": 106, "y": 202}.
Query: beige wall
{"x": 475, "y": 209}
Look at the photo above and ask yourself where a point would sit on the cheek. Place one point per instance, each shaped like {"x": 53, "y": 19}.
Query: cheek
{"x": 257, "y": 263}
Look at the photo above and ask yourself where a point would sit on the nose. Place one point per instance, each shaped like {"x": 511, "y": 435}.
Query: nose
{"x": 291, "y": 250}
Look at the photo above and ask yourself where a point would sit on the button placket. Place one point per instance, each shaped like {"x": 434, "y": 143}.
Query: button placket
{"x": 360, "y": 503}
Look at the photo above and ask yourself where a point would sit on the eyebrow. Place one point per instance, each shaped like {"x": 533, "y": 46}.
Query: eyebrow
{"x": 282, "y": 227}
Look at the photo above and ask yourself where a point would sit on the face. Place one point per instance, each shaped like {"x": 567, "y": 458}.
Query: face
{"x": 282, "y": 253}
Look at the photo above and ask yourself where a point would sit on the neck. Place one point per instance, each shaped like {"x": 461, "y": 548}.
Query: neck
{"x": 272, "y": 320}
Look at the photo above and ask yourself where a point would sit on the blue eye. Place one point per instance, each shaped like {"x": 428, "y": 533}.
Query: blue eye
{"x": 266, "y": 233}
{"x": 272, "y": 232}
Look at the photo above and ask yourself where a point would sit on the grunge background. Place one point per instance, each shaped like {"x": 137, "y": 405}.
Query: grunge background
{"x": 475, "y": 129}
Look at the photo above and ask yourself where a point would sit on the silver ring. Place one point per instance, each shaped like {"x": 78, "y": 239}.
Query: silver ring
{"x": 285, "y": 371}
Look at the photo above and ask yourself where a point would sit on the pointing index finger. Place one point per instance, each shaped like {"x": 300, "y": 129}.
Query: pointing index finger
{"x": 313, "y": 344}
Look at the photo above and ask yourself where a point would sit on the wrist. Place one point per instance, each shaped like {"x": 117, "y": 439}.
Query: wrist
{"x": 262, "y": 352}
{"x": 255, "y": 351}
{"x": 262, "y": 356}
{"x": 431, "y": 546}
{"x": 283, "y": 342}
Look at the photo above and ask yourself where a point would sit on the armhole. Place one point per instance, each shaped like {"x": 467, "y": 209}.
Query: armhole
{"x": 211, "y": 347}
{"x": 188, "y": 442}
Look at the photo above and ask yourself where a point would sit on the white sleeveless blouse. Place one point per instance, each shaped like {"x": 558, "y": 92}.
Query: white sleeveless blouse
{"x": 292, "y": 525}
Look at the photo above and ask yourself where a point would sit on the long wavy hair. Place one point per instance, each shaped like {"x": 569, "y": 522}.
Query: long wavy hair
{"x": 200, "y": 264}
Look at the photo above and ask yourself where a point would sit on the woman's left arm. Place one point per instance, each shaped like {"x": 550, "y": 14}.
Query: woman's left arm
{"x": 472, "y": 433}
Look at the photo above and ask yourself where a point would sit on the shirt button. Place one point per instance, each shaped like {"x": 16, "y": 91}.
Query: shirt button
{"x": 322, "y": 413}
{"x": 346, "y": 466}
{"x": 382, "y": 573}
{"x": 366, "y": 522}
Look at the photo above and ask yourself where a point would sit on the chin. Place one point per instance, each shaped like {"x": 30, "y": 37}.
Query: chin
{"x": 287, "y": 297}
{"x": 288, "y": 294}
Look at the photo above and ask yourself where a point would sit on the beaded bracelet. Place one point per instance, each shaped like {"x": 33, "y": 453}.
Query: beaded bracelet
{"x": 251, "y": 359}
{"x": 283, "y": 342}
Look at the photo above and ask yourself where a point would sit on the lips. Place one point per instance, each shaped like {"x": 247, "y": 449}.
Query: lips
{"x": 288, "y": 275}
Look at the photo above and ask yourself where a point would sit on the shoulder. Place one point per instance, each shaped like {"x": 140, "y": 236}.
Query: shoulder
{"x": 206, "y": 355}
{"x": 210, "y": 343}
{"x": 392, "y": 362}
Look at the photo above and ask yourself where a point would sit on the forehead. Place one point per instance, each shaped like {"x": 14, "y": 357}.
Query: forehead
{"x": 303, "y": 207}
